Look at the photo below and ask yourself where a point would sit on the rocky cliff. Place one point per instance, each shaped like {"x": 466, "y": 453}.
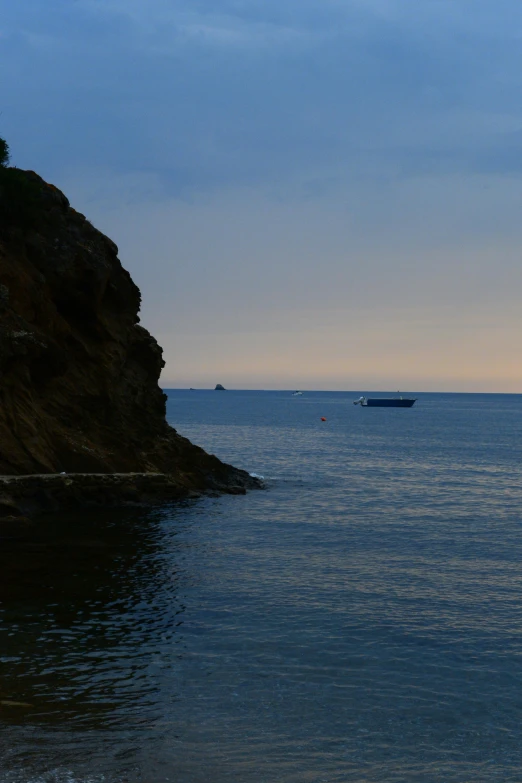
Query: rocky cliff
{"x": 78, "y": 374}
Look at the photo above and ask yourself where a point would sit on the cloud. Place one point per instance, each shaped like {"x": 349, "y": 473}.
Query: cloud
{"x": 205, "y": 94}
{"x": 281, "y": 176}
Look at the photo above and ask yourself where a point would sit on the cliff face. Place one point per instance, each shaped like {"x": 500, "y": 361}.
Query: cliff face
{"x": 78, "y": 374}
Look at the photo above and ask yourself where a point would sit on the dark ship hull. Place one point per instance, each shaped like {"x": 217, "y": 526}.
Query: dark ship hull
{"x": 383, "y": 402}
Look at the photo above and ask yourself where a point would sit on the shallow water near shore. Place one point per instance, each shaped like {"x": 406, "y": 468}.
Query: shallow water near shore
{"x": 359, "y": 620}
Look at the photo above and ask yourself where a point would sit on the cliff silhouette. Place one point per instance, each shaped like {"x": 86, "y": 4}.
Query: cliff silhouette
{"x": 78, "y": 373}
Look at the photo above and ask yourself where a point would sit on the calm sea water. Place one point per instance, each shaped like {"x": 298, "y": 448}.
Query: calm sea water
{"x": 359, "y": 620}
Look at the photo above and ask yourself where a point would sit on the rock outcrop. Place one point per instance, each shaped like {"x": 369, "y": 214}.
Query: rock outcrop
{"x": 78, "y": 374}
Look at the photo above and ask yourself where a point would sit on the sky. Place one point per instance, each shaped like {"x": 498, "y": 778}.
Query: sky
{"x": 312, "y": 194}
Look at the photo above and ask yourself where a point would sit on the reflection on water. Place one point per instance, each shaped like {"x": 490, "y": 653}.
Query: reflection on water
{"x": 358, "y": 621}
{"x": 87, "y": 608}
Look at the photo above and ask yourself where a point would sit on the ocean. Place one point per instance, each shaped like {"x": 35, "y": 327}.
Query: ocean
{"x": 359, "y": 620}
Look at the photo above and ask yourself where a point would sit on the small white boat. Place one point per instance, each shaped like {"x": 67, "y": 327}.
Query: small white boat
{"x": 297, "y": 394}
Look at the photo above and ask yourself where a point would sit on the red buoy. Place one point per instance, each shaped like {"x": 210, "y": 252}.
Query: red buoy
{"x": 322, "y": 418}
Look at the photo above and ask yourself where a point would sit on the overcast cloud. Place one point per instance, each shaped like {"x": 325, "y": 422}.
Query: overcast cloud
{"x": 241, "y": 152}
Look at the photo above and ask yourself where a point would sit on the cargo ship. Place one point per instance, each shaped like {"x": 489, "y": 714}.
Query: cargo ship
{"x": 385, "y": 402}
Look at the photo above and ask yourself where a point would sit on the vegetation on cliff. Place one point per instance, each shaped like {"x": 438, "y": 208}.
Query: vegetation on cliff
{"x": 78, "y": 374}
{"x": 4, "y": 153}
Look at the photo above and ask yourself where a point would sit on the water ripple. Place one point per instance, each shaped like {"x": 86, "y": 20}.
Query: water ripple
{"x": 360, "y": 620}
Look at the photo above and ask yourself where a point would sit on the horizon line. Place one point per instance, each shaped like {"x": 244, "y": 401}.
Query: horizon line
{"x": 337, "y": 391}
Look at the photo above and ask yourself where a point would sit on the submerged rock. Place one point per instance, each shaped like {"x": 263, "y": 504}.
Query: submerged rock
{"x": 79, "y": 376}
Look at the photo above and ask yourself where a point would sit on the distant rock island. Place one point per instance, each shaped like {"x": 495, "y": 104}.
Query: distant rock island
{"x": 219, "y": 387}
{"x": 79, "y": 376}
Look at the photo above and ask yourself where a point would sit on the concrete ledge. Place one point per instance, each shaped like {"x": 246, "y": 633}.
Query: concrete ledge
{"x": 25, "y": 496}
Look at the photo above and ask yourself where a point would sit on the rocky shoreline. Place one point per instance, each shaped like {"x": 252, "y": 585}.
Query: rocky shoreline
{"x": 24, "y": 497}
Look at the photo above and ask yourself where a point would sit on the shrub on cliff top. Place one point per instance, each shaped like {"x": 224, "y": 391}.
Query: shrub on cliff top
{"x": 4, "y": 152}
{"x": 19, "y": 196}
